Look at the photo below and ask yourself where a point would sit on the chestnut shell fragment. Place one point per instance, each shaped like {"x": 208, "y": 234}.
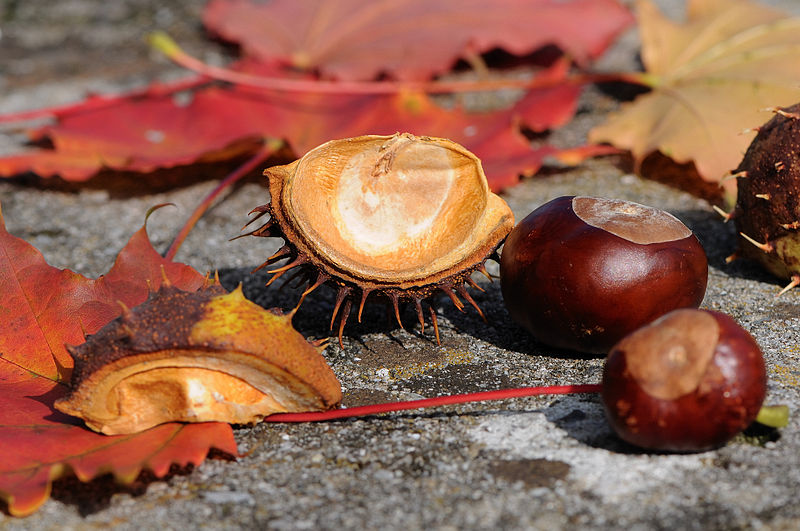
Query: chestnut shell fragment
{"x": 580, "y": 273}
{"x": 400, "y": 216}
{"x": 687, "y": 382}
{"x": 195, "y": 357}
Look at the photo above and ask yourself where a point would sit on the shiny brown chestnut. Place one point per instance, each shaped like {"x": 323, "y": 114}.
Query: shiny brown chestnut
{"x": 581, "y": 273}
{"x": 687, "y": 382}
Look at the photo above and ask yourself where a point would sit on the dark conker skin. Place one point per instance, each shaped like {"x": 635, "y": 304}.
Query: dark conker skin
{"x": 687, "y": 382}
{"x": 582, "y": 286}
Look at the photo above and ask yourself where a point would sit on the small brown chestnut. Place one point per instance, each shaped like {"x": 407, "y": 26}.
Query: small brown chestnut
{"x": 687, "y": 382}
{"x": 581, "y": 273}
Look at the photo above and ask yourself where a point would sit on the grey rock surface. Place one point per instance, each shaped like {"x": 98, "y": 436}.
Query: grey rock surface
{"x": 534, "y": 463}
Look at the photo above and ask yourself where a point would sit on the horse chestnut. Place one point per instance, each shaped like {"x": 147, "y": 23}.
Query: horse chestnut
{"x": 689, "y": 381}
{"x": 581, "y": 272}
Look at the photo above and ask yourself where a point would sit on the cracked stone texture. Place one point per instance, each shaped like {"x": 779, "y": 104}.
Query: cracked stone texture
{"x": 533, "y": 463}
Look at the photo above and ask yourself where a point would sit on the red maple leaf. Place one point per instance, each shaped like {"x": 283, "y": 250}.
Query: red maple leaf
{"x": 43, "y": 309}
{"x": 140, "y": 134}
{"x": 155, "y": 129}
{"x": 145, "y": 133}
{"x": 411, "y": 40}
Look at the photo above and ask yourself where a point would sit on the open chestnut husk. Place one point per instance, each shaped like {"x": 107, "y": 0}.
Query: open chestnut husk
{"x": 580, "y": 273}
{"x": 399, "y": 218}
{"x": 687, "y": 382}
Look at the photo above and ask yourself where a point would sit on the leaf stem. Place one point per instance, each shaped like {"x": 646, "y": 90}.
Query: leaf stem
{"x": 773, "y": 416}
{"x": 374, "y": 409}
{"x": 170, "y": 48}
{"x": 644, "y": 79}
{"x": 208, "y": 73}
{"x": 268, "y": 148}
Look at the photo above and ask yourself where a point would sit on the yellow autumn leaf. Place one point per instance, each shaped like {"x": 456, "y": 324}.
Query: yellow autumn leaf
{"x": 712, "y": 78}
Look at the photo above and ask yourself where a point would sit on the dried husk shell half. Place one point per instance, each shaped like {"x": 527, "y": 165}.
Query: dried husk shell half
{"x": 196, "y": 357}
{"x": 399, "y": 215}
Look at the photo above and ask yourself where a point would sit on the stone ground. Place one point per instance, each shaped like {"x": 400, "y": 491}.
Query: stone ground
{"x": 533, "y": 463}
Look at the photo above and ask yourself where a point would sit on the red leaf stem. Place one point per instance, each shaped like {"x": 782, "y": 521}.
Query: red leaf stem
{"x": 249, "y": 165}
{"x": 374, "y": 409}
{"x": 167, "y": 46}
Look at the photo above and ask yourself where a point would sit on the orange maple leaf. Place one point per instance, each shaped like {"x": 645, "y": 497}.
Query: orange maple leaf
{"x": 44, "y": 308}
{"x": 712, "y": 78}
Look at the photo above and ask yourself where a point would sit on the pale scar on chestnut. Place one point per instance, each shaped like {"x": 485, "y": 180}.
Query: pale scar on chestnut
{"x": 672, "y": 354}
{"x": 636, "y": 223}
